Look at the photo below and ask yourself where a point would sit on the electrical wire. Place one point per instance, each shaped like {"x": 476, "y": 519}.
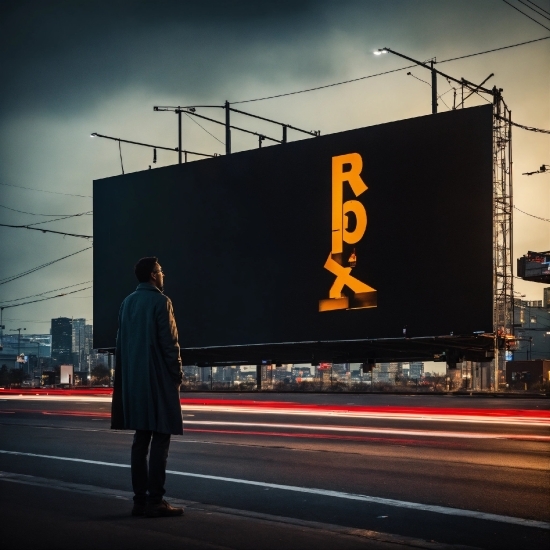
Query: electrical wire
{"x": 493, "y": 50}
{"x": 542, "y": 9}
{"x": 426, "y": 82}
{"x": 532, "y": 215}
{"x": 530, "y": 128}
{"x": 47, "y": 231}
{"x": 322, "y": 87}
{"x": 533, "y": 9}
{"x": 25, "y": 321}
{"x": 393, "y": 71}
{"x": 191, "y": 118}
{"x": 46, "y": 191}
{"x": 48, "y": 215}
{"x": 42, "y": 293}
{"x": 528, "y": 16}
{"x": 57, "y": 219}
{"x": 44, "y": 299}
{"x": 421, "y": 80}
{"x": 13, "y": 277}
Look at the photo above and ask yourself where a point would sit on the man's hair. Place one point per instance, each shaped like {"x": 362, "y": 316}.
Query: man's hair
{"x": 144, "y": 268}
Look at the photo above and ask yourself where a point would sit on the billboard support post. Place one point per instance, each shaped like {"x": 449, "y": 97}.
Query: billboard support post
{"x": 503, "y": 276}
{"x": 259, "y": 377}
{"x": 227, "y": 129}
{"x": 178, "y": 111}
{"x": 434, "y": 89}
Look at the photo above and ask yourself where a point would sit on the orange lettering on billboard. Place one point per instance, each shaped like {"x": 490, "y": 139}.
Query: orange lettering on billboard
{"x": 360, "y": 295}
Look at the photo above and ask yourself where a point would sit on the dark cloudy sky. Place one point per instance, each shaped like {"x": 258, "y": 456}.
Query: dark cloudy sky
{"x": 70, "y": 68}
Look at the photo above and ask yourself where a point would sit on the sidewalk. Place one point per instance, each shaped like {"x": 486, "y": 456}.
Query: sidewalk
{"x": 47, "y": 514}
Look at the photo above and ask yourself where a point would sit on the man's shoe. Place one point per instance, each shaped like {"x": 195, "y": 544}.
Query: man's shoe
{"x": 138, "y": 509}
{"x": 162, "y": 509}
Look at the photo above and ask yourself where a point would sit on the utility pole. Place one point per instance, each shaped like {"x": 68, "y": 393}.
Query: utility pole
{"x": 178, "y": 110}
{"x": 434, "y": 88}
{"x": 1, "y": 328}
{"x": 227, "y": 129}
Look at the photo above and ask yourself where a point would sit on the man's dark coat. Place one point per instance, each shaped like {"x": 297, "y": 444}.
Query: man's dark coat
{"x": 148, "y": 369}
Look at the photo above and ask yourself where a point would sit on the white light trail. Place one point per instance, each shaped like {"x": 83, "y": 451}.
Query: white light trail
{"x": 525, "y": 421}
{"x": 370, "y": 430}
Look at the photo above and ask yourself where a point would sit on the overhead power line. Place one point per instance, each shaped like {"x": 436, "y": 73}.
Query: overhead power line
{"x": 541, "y": 9}
{"x": 322, "y": 87}
{"x": 61, "y": 218}
{"x": 46, "y": 191}
{"x": 201, "y": 126}
{"x": 388, "y": 72}
{"x": 42, "y": 293}
{"x": 27, "y": 320}
{"x": 49, "y": 298}
{"x": 535, "y": 10}
{"x": 45, "y": 215}
{"x": 528, "y": 16}
{"x": 530, "y": 128}
{"x": 29, "y": 271}
{"x": 532, "y": 215}
{"x": 494, "y": 50}
{"x": 47, "y": 231}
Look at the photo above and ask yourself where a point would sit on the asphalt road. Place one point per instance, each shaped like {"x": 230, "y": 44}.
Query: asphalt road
{"x": 457, "y": 471}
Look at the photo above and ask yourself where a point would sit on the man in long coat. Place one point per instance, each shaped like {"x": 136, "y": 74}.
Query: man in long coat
{"x": 146, "y": 395}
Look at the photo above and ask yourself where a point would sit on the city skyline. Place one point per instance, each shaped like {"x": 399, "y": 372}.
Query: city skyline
{"x": 108, "y": 80}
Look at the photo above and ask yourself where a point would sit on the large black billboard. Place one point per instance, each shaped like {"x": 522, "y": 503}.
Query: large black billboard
{"x": 345, "y": 236}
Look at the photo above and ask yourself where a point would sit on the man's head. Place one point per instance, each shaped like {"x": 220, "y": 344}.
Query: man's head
{"x": 148, "y": 270}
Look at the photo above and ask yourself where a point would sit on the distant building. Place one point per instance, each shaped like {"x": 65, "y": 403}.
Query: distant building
{"x": 89, "y": 339}
{"x": 546, "y": 297}
{"x": 78, "y": 342}
{"x": 416, "y": 370}
{"x": 35, "y": 347}
{"x": 62, "y": 341}
{"x": 531, "y": 329}
{"x": 387, "y": 373}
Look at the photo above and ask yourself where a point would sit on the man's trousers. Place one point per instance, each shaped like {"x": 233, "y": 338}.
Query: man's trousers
{"x": 148, "y": 482}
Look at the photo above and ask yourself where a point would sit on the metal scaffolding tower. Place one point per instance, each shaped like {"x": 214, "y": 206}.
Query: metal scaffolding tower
{"x": 503, "y": 274}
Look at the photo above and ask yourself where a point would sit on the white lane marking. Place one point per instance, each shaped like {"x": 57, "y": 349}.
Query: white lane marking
{"x": 323, "y": 492}
{"x": 66, "y": 458}
{"x": 200, "y": 507}
{"x": 359, "y": 429}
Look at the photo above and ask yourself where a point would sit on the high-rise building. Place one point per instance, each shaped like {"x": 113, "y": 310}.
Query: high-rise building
{"x": 546, "y": 297}
{"x": 78, "y": 342}
{"x": 62, "y": 340}
{"x": 89, "y": 339}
